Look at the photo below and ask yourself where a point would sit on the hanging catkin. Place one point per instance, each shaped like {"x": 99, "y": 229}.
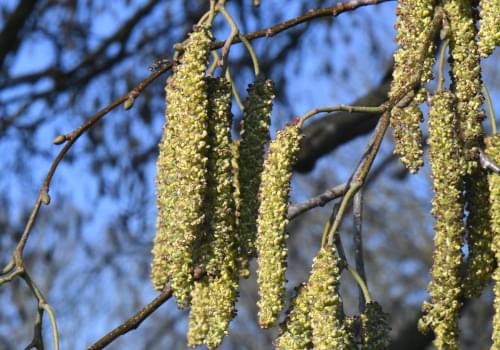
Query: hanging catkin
{"x": 466, "y": 76}
{"x": 214, "y": 297}
{"x": 489, "y": 26}
{"x": 271, "y": 223}
{"x": 481, "y": 260}
{"x": 413, "y": 21}
{"x": 493, "y": 151}
{"x": 327, "y": 315}
{"x": 374, "y": 327}
{"x": 181, "y": 170}
{"x": 254, "y": 137}
{"x": 447, "y": 169}
{"x": 296, "y": 331}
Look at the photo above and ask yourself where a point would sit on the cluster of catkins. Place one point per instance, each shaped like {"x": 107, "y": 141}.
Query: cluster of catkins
{"x": 316, "y": 318}
{"x": 222, "y": 202}
{"x": 209, "y": 207}
{"x": 456, "y": 134}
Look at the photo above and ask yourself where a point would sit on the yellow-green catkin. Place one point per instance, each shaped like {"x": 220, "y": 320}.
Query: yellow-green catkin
{"x": 489, "y": 26}
{"x": 214, "y": 297}
{"x": 466, "y": 76}
{"x": 296, "y": 331}
{"x": 375, "y": 327}
{"x": 493, "y": 151}
{"x": 414, "y": 18}
{"x": 327, "y": 315}
{"x": 447, "y": 169}
{"x": 272, "y": 221}
{"x": 235, "y": 149}
{"x": 254, "y": 138}
{"x": 181, "y": 170}
{"x": 481, "y": 260}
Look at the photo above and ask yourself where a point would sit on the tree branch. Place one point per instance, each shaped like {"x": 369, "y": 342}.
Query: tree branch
{"x": 133, "y": 322}
{"x": 11, "y": 37}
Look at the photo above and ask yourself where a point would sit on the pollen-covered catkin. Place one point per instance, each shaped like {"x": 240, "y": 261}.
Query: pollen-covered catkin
{"x": 272, "y": 221}
{"x": 481, "y": 259}
{"x": 235, "y": 150}
{"x": 447, "y": 170}
{"x": 254, "y": 137}
{"x": 181, "y": 169}
{"x": 493, "y": 151}
{"x": 466, "y": 76}
{"x": 327, "y": 315}
{"x": 489, "y": 26}
{"x": 413, "y": 21}
{"x": 375, "y": 327}
{"x": 296, "y": 331}
{"x": 214, "y": 297}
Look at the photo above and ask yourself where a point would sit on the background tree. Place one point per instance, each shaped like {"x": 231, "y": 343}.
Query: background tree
{"x": 89, "y": 252}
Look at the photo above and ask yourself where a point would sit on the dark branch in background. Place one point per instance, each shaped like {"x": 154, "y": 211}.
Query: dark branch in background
{"x": 358, "y": 244}
{"x": 324, "y": 135}
{"x": 10, "y": 37}
{"x": 91, "y": 65}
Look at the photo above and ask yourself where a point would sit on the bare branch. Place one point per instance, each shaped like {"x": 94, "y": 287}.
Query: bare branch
{"x": 133, "y": 322}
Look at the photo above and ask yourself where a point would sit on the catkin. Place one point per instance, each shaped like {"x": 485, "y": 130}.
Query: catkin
{"x": 489, "y": 26}
{"x": 254, "y": 137}
{"x": 466, "y": 76}
{"x": 213, "y": 298}
{"x": 447, "y": 169}
{"x": 271, "y": 223}
{"x": 481, "y": 260}
{"x": 414, "y": 18}
{"x": 493, "y": 151}
{"x": 181, "y": 170}
{"x": 328, "y": 329}
{"x": 296, "y": 331}
{"x": 375, "y": 327}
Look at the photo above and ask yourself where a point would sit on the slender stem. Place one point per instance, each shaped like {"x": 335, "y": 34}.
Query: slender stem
{"x": 43, "y": 305}
{"x": 361, "y": 283}
{"x": 211, "y": 12}
{"x": 326, "y": 229}
{"x": 491, "y": 110}
{"x": 53, "y": 323}
{"x": 336, "y": 108}
{"x": 234, "y": 33}
{"x": 253, "y": 55}
{"x": 214, "y": 64}
{"x": 354, "y": 187}
{"x": 442, "y": 56}
{"x": 235, "y": 91}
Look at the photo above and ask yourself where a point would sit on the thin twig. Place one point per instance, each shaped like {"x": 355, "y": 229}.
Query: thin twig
{"x": 234, "y": 33}
{"x": 133, "y": 322}
{"x": 346, "y": 108}
{"x": 318, "y": 201}
{"x": 236, "y": 94}
{"x": 42, "y": 306}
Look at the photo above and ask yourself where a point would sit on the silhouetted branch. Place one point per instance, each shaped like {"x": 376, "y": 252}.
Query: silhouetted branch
{"x": 10, "y": 37}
